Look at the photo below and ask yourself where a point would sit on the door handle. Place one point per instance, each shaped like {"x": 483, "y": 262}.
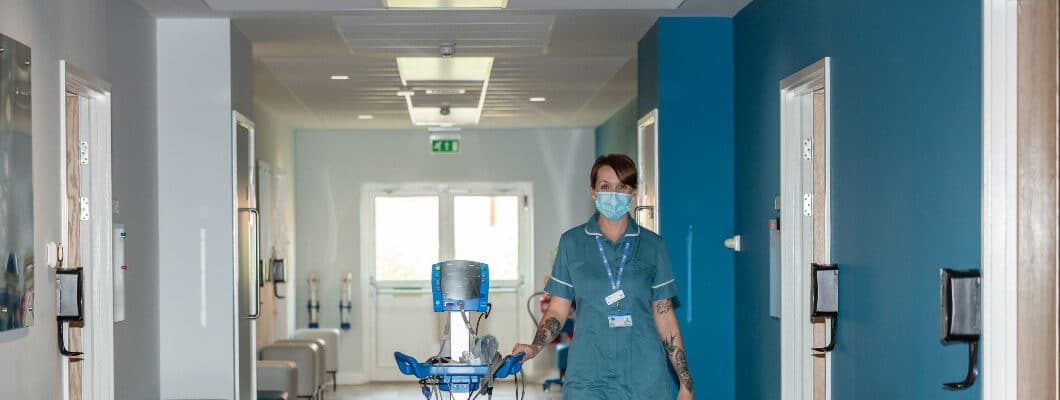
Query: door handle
{"x": 638, "y": 209}
{"x": 254, "y": 259}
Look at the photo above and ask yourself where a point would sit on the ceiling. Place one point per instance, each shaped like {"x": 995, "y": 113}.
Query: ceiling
{"x": 578, "y": 54}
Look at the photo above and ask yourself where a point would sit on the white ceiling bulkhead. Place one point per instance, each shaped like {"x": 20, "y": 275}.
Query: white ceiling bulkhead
{"x": 554, "y": 63}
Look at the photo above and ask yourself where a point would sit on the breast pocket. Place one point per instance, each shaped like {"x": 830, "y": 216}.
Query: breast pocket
{"x": 640, "y": 272}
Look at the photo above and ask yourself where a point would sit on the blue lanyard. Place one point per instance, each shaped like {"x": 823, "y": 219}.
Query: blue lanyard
{"x": 615, "y": 284}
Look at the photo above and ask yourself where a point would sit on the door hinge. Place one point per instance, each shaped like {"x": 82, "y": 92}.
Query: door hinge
{"x": 807, "y": 205}
{"x": 84, "y": 153}
{"x": 84, "y": 208}
{"x": 807, "y": 149}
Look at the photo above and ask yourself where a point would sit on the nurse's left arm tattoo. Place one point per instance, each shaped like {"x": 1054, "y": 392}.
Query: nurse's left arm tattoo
{"x": 664, "y": 306}
{"x": 672, "y": 343}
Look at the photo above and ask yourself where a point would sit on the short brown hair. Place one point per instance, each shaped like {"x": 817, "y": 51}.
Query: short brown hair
{"x": 623, "y": 166}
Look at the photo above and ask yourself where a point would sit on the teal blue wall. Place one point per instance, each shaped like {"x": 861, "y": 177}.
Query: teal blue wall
{"x": 905, "y": 178}
{"x": 648, "y": 72}
{"x": 619, "y": 133}
{"x": 686, "y": 69}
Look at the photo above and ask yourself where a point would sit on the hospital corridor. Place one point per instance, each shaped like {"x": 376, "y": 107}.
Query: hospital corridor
{"x": 529, "y": 200}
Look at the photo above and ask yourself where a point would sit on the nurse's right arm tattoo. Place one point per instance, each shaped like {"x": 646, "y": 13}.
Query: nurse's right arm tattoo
{"x": 547, "y": 331}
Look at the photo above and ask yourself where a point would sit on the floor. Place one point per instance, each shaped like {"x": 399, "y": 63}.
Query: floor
{"x": 407, "y": 391}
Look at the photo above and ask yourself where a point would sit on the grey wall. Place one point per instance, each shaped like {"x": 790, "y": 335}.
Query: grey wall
{"x": 242, "y": 73}
{"x": 80, "y": 31}
{"x": 131, "y": 66}
{"x": 331, "y": 166}
{"x": 196, "y": 223}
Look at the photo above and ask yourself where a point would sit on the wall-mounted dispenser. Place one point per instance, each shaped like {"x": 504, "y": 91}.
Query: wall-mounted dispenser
{"x": 69, "y": 302}
{"x": 119, "y": 272}
{"x": 824, "y": 298}
{"x": 314, "y": 300}
{"x": 278, "y": 275}
{"x": 774, "y": 266}
{"x": 961, "y": 316}
{"x": 346, "y": 303}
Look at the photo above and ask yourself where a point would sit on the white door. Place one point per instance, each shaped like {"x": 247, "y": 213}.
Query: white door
{"x": 410, "y": 228}
{"x": 647, "y": 207}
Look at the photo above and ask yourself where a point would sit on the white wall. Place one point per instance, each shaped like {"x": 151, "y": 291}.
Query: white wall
{"x": 331, "y": 166}
{"x": 131, "y": 66}
{"x": 195, "y": 193}
{"x": 274, "y": 144}
{"x": 80, "y": 31}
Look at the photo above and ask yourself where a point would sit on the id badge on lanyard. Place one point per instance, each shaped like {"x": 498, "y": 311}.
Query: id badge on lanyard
{"x": 616, "y": 319}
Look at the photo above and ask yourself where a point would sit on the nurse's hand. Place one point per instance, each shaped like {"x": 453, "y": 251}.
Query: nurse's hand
{"x": 530, "y": 350}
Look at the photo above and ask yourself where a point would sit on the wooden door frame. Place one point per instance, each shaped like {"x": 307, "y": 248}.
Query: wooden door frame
{"x": 1017, "y": 118}
{"x": 797, "y": 338}
{"x": 98, "y": 336}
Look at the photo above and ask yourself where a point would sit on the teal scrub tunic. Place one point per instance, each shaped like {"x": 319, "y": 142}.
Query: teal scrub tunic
{"x": 614, "y": 363}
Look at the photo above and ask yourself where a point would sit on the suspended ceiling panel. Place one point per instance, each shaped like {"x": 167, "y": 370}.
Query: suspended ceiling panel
{"x": 367, "y": 5}
{"x": 419, "y": 34}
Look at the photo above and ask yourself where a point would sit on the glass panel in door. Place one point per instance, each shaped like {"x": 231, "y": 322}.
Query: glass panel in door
{"x": 646, "y": 211}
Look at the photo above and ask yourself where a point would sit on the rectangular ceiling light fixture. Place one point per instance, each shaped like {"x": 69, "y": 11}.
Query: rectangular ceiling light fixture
{"x": 444, "y": 69}
{"x": 445, "y": 4}
{"x": 434, "y": 69}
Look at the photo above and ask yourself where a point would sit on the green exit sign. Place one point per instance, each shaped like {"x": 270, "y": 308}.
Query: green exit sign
{"x": 445, "y": 145}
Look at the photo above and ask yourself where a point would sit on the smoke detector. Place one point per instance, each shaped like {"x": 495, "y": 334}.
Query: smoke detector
{"x": 448, "y": 49}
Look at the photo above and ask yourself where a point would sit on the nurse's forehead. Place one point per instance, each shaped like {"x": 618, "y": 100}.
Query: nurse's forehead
{"x": 606, "y": 173}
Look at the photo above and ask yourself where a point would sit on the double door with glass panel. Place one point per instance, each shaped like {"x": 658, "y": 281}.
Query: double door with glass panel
{"x": 415, "y": 226}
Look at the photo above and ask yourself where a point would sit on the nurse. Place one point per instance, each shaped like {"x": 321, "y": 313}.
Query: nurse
{"x": 620, "y": 277}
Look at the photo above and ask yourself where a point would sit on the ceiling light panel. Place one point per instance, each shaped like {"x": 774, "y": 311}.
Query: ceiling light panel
{"x": 474, "y": 35}
{"x": 444, "y": 69}
{"x": 445, "y": 4}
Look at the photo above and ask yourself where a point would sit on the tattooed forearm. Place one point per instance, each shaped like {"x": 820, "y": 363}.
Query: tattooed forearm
{"x": 668, "y": 345}
{"x": 677, "y": 356}
{"x": 663, "y": 306}
{"x": 681, "y": 366}
{"x": 548, "y": 330}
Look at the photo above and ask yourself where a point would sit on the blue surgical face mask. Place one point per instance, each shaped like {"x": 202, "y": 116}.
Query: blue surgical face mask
{"x": 613, "y": 205}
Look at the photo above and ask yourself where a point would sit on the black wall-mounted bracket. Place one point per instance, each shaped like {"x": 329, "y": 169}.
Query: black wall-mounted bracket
{"x": 278, "y": 272}
{"x": 824, "y": 299}
{"x": 961, "y": 316}
{"x": 69, "y": 303}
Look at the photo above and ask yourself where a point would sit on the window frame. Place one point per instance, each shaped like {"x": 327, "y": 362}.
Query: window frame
{"x": 446, "y": 193}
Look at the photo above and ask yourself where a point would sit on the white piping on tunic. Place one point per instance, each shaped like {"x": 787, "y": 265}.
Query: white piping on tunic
{"x": 563, "y": 283}
{"x": 662, "y": 284}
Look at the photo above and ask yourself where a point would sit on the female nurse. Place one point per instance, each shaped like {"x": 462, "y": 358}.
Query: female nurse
{"x": 620, "y": 277}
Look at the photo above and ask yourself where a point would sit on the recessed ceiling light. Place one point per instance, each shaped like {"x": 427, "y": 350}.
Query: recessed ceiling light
{"x": 406, "y": 91}
{"x": 446, "y": 4}
{"x": 340, "y": 77}
{"x": 538, "y": 99}
{"x": 365, "y": 116}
